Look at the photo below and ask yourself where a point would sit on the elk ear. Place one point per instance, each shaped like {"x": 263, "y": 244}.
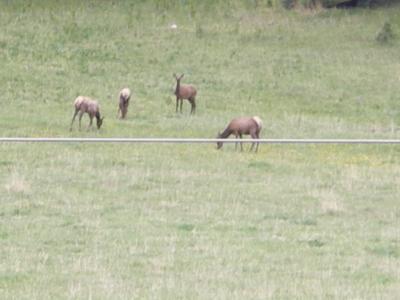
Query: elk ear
{"x": 181, "y": 76}
{"x": 176, "y": 77}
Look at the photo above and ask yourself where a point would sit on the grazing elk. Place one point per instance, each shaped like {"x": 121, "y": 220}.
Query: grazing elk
{"x": 240, "y": 126}
{"x": 83, "y": 105}
{"x": 185, "y": 91}
{"x": 124, "y": 97}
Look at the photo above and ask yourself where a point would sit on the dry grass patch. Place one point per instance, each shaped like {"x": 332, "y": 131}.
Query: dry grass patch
{"x": 17, "y": 183}
{"x": 330, "y": 201}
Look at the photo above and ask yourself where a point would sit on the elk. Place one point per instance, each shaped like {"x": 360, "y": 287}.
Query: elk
{"x": 240, "y": 126}
{"x": 87, "y": 105}
{"x": 124, "y": 97}
{"x": 185, "y": 91}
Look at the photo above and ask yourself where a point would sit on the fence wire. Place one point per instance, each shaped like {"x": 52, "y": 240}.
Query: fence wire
{"x": 194, "y": 140}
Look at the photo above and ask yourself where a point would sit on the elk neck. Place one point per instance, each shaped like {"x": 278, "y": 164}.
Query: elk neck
{"x": 178, "y": 86}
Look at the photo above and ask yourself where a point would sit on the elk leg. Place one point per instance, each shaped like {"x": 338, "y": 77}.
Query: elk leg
{"x": 123, "y": 112}
{"x": 126, "y": 108}
{"x": 253, "y": 136}
{"x": 193, "y": 103}
{"x": 91, "y": 122}
{"x": 80, "y": 119}
{"x": 258, "y": 136}
{"x": 236, "y": 143}
{"x": 181, "y": 104}
{"x": 177, "y": 103}
{"x": 241, "y": 143}
{"x": 73, "y": 118}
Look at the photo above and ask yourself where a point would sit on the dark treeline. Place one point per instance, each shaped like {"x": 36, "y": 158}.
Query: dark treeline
{"x": 365, "y": 3}
{"x": 337, "y": 3}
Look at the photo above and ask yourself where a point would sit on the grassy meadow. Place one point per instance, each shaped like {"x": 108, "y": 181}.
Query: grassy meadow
{"x": 126, "y": 221}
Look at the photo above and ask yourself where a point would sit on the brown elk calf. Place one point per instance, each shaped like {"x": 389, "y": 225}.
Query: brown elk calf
{"x": 240, "y": 126}
{"x": 124, "y": 97}
{"x": 185, "y": 91}
{"x": 83, "y": 105}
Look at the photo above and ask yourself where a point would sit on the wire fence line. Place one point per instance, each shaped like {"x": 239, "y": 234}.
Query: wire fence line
{"x": 194, "y": 140}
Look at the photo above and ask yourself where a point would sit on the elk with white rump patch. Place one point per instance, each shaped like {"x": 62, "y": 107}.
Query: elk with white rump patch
{"x": 124, "y": 97}
{"x": 240, "y": 126}
{"x": 87, "y": 105}
{"x": 185, "y": 91}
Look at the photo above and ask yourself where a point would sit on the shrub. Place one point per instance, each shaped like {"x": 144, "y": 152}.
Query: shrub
{"x": 385, "y": 35}
{"x": 288, "y": 4}
{"x": 199, "y": 30}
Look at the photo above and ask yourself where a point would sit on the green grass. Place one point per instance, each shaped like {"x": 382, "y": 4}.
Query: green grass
{"x": 186, "y": 221}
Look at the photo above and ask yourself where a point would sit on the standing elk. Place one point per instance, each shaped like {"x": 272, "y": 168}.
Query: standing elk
{"x": 124, "y": 97}
{"x": 87, "y": 105}
{"x": 185, "y": 91}
{"x": 240, "y": 126}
